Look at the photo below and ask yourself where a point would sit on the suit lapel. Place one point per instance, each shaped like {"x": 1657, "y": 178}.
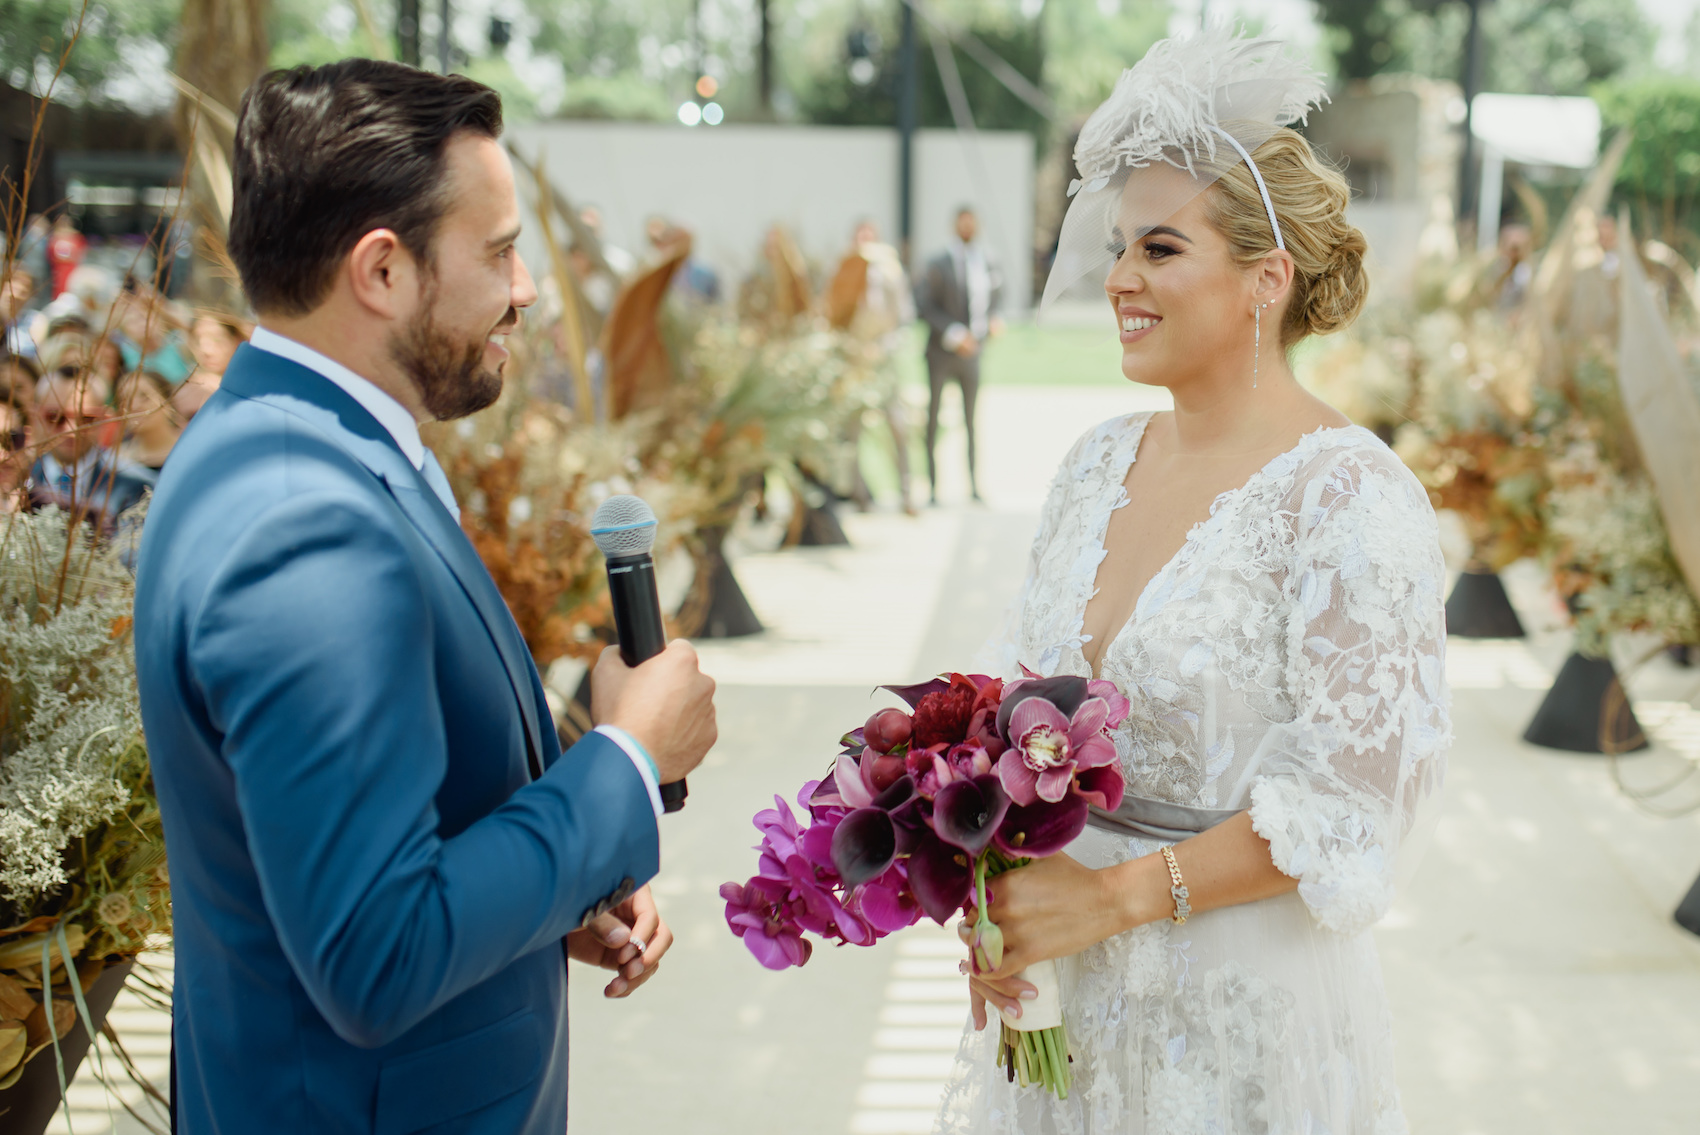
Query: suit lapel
{"x": 324, "y": 405}
{"x": 433, "y": 521}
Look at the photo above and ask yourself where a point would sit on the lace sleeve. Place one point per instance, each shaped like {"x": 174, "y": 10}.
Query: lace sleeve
{"x": 1344, "y": 781}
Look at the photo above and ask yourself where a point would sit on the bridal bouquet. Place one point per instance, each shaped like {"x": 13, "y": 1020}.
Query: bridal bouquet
{"x": 919, "y": 810}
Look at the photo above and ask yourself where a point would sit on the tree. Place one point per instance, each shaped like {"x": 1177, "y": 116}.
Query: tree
{"x": 1547, "y": 47}
{"x": 118, "y": 37}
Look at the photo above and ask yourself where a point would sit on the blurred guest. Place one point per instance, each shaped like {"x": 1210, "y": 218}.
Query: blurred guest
{"x": 65, "y": 251}
{"x": 1513, "y": 268}
{"x": 151, "y": 425}
{"x": 16, "y": 288}
{"x": 213, "y": 339}
{"x": 77, "y": 473}
{"x": 885, "y": 307}
{"x": 32, "y": 258}
{"x": 958, "y": 296}
{"x": 87, "y": 295}
{"x": 65, "y": 353}
{"x": 18, "y": 377}
{"x": 148, "y": 334}
{"x": 106, "y": 360}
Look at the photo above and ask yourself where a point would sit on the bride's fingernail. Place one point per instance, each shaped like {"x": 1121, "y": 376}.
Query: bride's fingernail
{"x": 962, "y": 968}
{"x": 1029, "y": 994}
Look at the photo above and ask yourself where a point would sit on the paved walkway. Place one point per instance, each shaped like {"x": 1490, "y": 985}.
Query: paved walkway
{"x": 1538, "y": 984}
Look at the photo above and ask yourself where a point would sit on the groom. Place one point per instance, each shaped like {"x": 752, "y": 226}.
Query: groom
{"x": 377, "y": 846}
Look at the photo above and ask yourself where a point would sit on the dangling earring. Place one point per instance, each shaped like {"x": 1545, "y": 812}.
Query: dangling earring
{"x": 1256, "y": 340}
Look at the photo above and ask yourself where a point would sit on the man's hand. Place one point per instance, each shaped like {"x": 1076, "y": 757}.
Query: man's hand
{"x": 629, "y": 940}
{"x": 667, "y": 703}
{"x": 968, "y": 347}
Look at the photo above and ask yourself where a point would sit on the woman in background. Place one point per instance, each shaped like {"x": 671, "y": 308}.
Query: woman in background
{"x": 151, "y": 424}
{"x": 213, "y": 338}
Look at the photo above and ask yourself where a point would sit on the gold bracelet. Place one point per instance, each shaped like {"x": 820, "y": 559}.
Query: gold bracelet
{"x": 1177, "y": 888}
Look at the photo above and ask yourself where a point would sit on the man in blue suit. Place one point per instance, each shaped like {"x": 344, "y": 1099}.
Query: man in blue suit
{"x": 377, "y": 846}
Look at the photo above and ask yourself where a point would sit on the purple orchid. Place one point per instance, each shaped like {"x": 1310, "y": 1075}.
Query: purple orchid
{"x": 756, "y": 913}
{"x": 1048, "y": 747}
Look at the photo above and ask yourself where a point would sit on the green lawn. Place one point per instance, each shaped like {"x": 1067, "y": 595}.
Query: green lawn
{"x": 1025, "y": 355}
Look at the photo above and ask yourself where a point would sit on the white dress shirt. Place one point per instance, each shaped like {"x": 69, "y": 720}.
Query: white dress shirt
{"x": 974, "y": 275}
{"x": 393, "y": 416}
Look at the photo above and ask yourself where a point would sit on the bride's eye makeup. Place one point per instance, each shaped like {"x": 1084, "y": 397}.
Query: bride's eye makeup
{"x": 1156, "y": 250}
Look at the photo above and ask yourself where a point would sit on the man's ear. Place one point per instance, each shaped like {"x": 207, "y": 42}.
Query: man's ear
{"x": 382, "y": 275}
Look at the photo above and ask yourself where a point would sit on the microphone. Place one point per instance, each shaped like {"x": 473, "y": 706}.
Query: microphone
{"x": 624, "y": 530}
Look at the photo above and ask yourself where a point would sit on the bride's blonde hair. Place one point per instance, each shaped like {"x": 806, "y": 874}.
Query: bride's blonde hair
{"x": 1310, "y": 199}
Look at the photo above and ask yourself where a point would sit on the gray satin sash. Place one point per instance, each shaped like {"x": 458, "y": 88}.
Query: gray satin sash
{"x": 1159, "y": 819}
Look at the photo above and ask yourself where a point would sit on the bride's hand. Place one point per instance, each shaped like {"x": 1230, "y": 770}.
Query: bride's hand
{"x": 1051, "y": 908}
{"x": 1010, "y": 993}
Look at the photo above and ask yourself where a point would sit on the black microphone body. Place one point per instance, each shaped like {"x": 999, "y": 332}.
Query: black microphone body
{"x": 637, "y": 618}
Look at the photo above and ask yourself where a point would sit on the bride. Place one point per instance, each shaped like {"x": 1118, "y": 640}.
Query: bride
{"x": 1263, "y": 581}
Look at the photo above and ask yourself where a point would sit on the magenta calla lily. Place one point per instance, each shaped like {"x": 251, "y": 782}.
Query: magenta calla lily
{"x": 1042, "y": 829}
{"x": 942, "y": 877}
{"x": 905, "y": 823}
{"x": 967, "y": 813}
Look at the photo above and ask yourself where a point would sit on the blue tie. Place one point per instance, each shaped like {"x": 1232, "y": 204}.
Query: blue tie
{"x": 439, "y": 482}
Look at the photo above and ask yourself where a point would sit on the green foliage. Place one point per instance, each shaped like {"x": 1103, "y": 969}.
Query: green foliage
{"x": 1547, "y": 47}
{"x": 1660, "y": 176}
{"x": 826, "y": 93}
{"x": 323, "y": 31}
{"x": 116, "y": 34}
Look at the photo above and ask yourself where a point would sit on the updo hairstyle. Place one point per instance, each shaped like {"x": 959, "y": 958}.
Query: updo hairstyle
{"x": 1310, "y": 198}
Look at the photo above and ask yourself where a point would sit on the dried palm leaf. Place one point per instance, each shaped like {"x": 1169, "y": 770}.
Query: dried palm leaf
{"x": 1664, "y": 410}
{"x": 639, "y": 366}
{"x": 844, "y": 295}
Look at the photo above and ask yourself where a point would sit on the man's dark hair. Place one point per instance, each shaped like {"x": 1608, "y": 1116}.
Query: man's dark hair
{"x": 324, "y": 155}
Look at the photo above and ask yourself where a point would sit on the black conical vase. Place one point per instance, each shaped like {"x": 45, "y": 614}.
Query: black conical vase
{"x": 1479, "y": 608}
{"x": 1574, "y": 711}
{"x": 1688, "y": 911}
{"x": 726, "y": 613}
{"x": 821, "y": 528}
{"x": 29, "y": 1105}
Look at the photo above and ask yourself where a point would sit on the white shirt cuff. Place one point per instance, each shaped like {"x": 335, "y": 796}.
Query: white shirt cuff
{"x": 953, "y": 336}
{"x": 640, "y": 760}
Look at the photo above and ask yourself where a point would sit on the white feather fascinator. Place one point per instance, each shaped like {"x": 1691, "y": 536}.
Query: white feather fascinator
{"x": 1196, "y": 105}
{"x": 1172, "y": 105}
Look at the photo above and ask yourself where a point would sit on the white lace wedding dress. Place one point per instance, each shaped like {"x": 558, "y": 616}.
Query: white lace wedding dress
{"x": 1288, "y": 660}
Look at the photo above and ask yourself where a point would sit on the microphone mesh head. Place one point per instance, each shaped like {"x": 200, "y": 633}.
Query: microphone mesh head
{"x": 623, "y": 526}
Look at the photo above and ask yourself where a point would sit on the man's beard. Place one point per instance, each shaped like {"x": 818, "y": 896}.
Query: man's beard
{"x": 448, "y": 372}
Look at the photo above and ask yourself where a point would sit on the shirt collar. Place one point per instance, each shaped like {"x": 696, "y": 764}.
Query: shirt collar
{"x": 392, "y": 415}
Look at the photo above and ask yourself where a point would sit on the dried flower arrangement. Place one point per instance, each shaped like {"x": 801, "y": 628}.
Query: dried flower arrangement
{"x": 82, "y": 853}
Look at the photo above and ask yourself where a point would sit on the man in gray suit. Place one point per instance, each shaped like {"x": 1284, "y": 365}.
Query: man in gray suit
{"x": 958, "y": 296}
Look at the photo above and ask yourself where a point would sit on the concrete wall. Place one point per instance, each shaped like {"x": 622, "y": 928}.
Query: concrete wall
{"x": 729, "y": 183}
{"x": 1392, "y": 136}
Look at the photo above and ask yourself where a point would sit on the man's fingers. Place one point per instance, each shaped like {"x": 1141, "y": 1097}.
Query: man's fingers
{"x": 623, "y": 986}
{"x": 610, "y": 931}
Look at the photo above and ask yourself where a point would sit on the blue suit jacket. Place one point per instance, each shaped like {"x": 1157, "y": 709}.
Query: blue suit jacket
{"x": 370, "y": 889}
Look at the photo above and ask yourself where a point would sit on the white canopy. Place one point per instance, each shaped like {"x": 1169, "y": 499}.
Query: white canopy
{"x": 1538, "y": 129}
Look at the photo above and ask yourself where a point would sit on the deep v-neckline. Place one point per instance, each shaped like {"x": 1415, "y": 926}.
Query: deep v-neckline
{"x": 1125, "y": 466}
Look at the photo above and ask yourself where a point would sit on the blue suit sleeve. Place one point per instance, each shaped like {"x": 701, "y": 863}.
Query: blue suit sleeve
{"x": 313, "y": 651}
